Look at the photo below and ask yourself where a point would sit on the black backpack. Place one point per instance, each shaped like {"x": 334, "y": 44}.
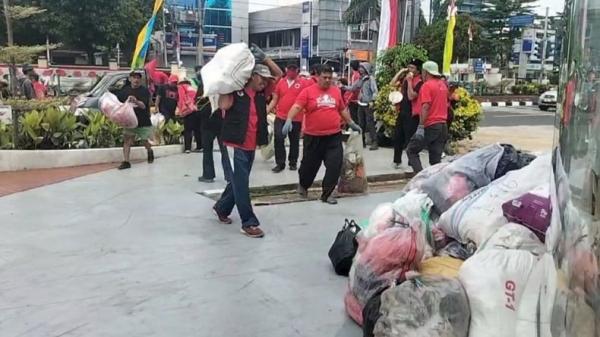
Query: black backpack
{"x": 344, "y": 248}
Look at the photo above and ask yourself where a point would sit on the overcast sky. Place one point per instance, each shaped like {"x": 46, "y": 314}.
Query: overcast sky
{"x": 555, "y": 5}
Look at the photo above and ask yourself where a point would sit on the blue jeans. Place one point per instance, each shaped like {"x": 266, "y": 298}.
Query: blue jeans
{"x": 237, "y": 192}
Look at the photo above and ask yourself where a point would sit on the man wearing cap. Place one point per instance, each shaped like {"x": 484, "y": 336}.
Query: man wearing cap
{"x": 166, "y": 98}
{"x": 432, "y": 132}
{"x": 139, "y": 96}
{"x": 284, "y": 96}
{"x": 367, "y": 88}
{"x": 409, "y": 82}
{"x": 244, "y": 128}
{"x": 324, "y": 109}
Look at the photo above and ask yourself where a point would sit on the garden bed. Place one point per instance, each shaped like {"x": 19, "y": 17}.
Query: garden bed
{"x": 15, "y": 160}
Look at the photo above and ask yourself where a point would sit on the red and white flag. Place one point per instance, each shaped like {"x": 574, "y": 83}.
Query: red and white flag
{"x": 388, "y": 25}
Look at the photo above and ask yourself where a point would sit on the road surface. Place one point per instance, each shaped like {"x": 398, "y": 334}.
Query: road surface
{"x": 517, "y": 116}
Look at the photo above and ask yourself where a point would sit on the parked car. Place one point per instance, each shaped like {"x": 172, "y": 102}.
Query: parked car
{"x": 111, "y": 82}
{"x": 71, "y": 86}
{"x": 548, "y": 100}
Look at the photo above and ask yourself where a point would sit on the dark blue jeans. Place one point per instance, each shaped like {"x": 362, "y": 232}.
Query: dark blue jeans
{"x": 237, "y": 192}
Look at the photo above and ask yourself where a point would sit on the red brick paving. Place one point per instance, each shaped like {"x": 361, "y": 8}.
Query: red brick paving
{"x": 18, "y": 181}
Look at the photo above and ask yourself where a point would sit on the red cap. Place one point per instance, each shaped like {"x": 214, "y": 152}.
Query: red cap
{"x": 173, "y": 79}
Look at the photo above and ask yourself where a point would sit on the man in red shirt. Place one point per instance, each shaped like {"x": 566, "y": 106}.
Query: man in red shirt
{"x": 324, "y": 109}
{"x": 353, "y": 100}
{"x": 244, "y": 127}
{"x": 284, "y": 96}
{"x": 432, "y": 132}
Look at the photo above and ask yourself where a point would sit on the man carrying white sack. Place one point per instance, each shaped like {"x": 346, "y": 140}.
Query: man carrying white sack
{"x": 244, "y": 128}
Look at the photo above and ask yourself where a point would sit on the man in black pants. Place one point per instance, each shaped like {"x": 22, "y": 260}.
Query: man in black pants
{"x": 432, "y": 132}
{"x": 324, "y": 106}
{"x": 284, "y": 96}
{"x": 407, "y": 121}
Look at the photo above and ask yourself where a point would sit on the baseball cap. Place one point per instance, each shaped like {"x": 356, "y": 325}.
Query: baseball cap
{"x": 262, "y": 70}
{"x": 416, "y": 62}
{"x": 432, "y": 68}
{"x": 137, "y": 72}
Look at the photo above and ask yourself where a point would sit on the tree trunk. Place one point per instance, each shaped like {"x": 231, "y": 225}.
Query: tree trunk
{"x": 7, "y": 18}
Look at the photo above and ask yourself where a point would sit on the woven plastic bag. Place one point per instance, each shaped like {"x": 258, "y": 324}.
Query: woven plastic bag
{"x": 268, "y": 151}
{"x": 441, "y": 266}
{"x": 228, "y": 70}
{"x": 121, "y": 114}
{"x": 426, "y": 306}
{"x": 514, "y": 236}
{"x": 354, "y": 177}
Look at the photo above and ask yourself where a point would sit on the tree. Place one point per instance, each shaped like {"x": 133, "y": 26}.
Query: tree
{"x": 15, "y": 13}
{"x": 432, "y": 39}
{"x": 355, "y": 13}
{"x": 496, "y": 14}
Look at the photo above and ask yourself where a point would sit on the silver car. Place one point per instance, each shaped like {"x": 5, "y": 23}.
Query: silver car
{"x": 548, "y": 100}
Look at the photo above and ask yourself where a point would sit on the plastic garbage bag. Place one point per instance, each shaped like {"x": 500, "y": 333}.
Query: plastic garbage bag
{"x": 228, "y": 70}
{"x": 495, "y": 280}
{"x": 457, "y": 250}
{"x": 382, "y": 218}
{"x": 417, "y": 181}
{"x": 268, "y": 151}
{"x": 514, "y": 236}
{"x": 344, "y": 248}
{"x": 371, "y": 314}
{"x": 572, "y": 316}
{"x": 462, "y": 176}
{"x": 157, "y": 119}
{"x": 441, "y": 266}
{"x": 354, "y": 177}
{"x": 426, "y": 306}
{"x": 512, "y": 160}
{"x": 532, "y": 211}
{"x": 386, "y": 258}
{"x": 121, "y": 114}
{"x": 480, "y": 214}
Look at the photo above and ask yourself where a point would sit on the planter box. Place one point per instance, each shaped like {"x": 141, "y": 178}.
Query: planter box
{"x": 16, "y": 160}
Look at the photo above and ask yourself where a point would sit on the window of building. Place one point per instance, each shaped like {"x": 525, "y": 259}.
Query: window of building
{"x": 315, "y": 36}
{"x": 217, "y": 17}
{"x": 223, "y": 34}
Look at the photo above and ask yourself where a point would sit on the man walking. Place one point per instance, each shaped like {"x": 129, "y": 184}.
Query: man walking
{"x": 323, "y": 105}
{"x": 166, "y": 98}
{"x": 366, "y": 99}
{"x": 432, "y": 132}
{"x": 244, "y": 128}
{"x": 284, "y": 96}
{"x": 410, "y": 82}
{"x": 139, "y": 96}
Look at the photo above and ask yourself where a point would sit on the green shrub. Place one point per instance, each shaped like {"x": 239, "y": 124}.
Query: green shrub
{"x": 49, "y": 129}
{"x": 171, "y": 132}
{"x": 100, "y": 132}
{"x": 394, "y": 59}
{"x": 384, "y": 110}
{"x": 6, "y": 136}
{"x": 467, "y": 116}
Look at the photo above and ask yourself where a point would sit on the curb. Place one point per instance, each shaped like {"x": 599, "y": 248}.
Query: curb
{"x": 504, "y": 104}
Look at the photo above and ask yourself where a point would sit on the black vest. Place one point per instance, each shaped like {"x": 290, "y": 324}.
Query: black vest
{"x": 235, "y": 122}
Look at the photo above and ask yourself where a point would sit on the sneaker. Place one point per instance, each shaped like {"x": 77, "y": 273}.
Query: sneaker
{"x": 398, "y": 166}
{"x": 150, "y": 156}
{"x": 302, "y": 191}
{"x": 222, "y": 219}
{"x": 252, "y": 232}
{"x": 293, "y": 167}
{"x": 330, "y": 200}
{"x": 124, "y": 165}
{"x": 206, "y": 180}
{"x": 278, "y": 169}
{"x": 198, "y": 150}
{"x": 187, "y": 151}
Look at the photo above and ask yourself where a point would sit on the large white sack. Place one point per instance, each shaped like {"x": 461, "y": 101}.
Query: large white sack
{"x": 534, "y": 316}
{"x": 477, "y": 216}
{"x": 495, "y": 280}
{"x": 514, "y": 236}
{"x": 228, "y": 71}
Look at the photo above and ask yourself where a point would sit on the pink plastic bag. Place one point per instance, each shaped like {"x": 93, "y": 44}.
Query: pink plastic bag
{"x": 121, "y": 114}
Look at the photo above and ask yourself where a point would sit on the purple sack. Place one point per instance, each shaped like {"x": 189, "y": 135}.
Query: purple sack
{"x": 530, "y": 210}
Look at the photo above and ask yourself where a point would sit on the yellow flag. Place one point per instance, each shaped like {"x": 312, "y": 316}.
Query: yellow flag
{"x": 143, "y": 39}
{"x": 449, "y": 46}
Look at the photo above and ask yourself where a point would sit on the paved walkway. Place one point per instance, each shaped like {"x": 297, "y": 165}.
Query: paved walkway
{"x": 139, "y": 253}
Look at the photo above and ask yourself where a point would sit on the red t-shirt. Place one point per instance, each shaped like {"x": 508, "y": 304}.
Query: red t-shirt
{"x": 416, "y": 103}
{"x": 250, "y": 141}
{"x": 322, "y": 109}
{"x": 287, "y": 97}
{"x": 435, "y": 92}
{"x": 354, "y": 94}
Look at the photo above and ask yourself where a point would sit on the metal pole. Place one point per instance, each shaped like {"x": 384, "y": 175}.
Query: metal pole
{"x": 118, "y": 55}
{"x": 200, "y": 44}
{"x": 369, "y": 34}
{"x": 164, "y": 21}
{"x": 544, "y": 46}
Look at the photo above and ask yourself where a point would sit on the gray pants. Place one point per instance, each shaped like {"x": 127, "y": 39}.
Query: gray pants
{"x": 435, "y": 139}
{"x": 366, "y": 120}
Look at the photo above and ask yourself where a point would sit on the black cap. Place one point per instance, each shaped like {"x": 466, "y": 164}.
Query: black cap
{"x": 136, "y": 72}
{"x": 416, "y": 62}
{"x": 292, "y": 66}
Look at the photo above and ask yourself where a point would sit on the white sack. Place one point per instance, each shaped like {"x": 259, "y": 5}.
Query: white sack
{"x": 514, "y": 236}
{"x": 228, "y": 71}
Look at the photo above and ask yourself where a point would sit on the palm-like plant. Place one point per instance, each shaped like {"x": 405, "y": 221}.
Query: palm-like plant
{"x": 355, "y": 13}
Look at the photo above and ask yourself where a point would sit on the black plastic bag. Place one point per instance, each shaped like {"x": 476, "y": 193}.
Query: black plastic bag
{"x": 344, "y": 248}
{"x": 371, "y": 314}
{"x": 512, "y": 160}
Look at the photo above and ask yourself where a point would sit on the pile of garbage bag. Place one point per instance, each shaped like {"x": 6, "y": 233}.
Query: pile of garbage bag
{"x": 462, "y": 252}
{"x": 353, "y": 178}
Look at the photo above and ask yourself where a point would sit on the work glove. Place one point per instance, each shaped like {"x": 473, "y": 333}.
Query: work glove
{"x": 420, "y": 134}
{"x": 287, "y": 127}
{"x": 259, "y": 54}
{"x": 355, "y": 127}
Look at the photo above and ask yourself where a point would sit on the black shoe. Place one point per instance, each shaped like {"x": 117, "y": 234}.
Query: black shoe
{"x": 331, "y": 200}
{"x": 124, "y": 165}
{"x": 278, "y": 169}
{"x": 293, "y": 167}
{"x": 302, "y": 192}
{"x": 206, "y": 180}
{"x": 150, "y": 156}
{"x": 198, "y": 150}
{"x": 373, "y": 148}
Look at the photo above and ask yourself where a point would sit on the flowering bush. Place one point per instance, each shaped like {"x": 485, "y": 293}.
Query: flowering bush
{"x": 467, "y": 116}
{"x": 384, "y": 111}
